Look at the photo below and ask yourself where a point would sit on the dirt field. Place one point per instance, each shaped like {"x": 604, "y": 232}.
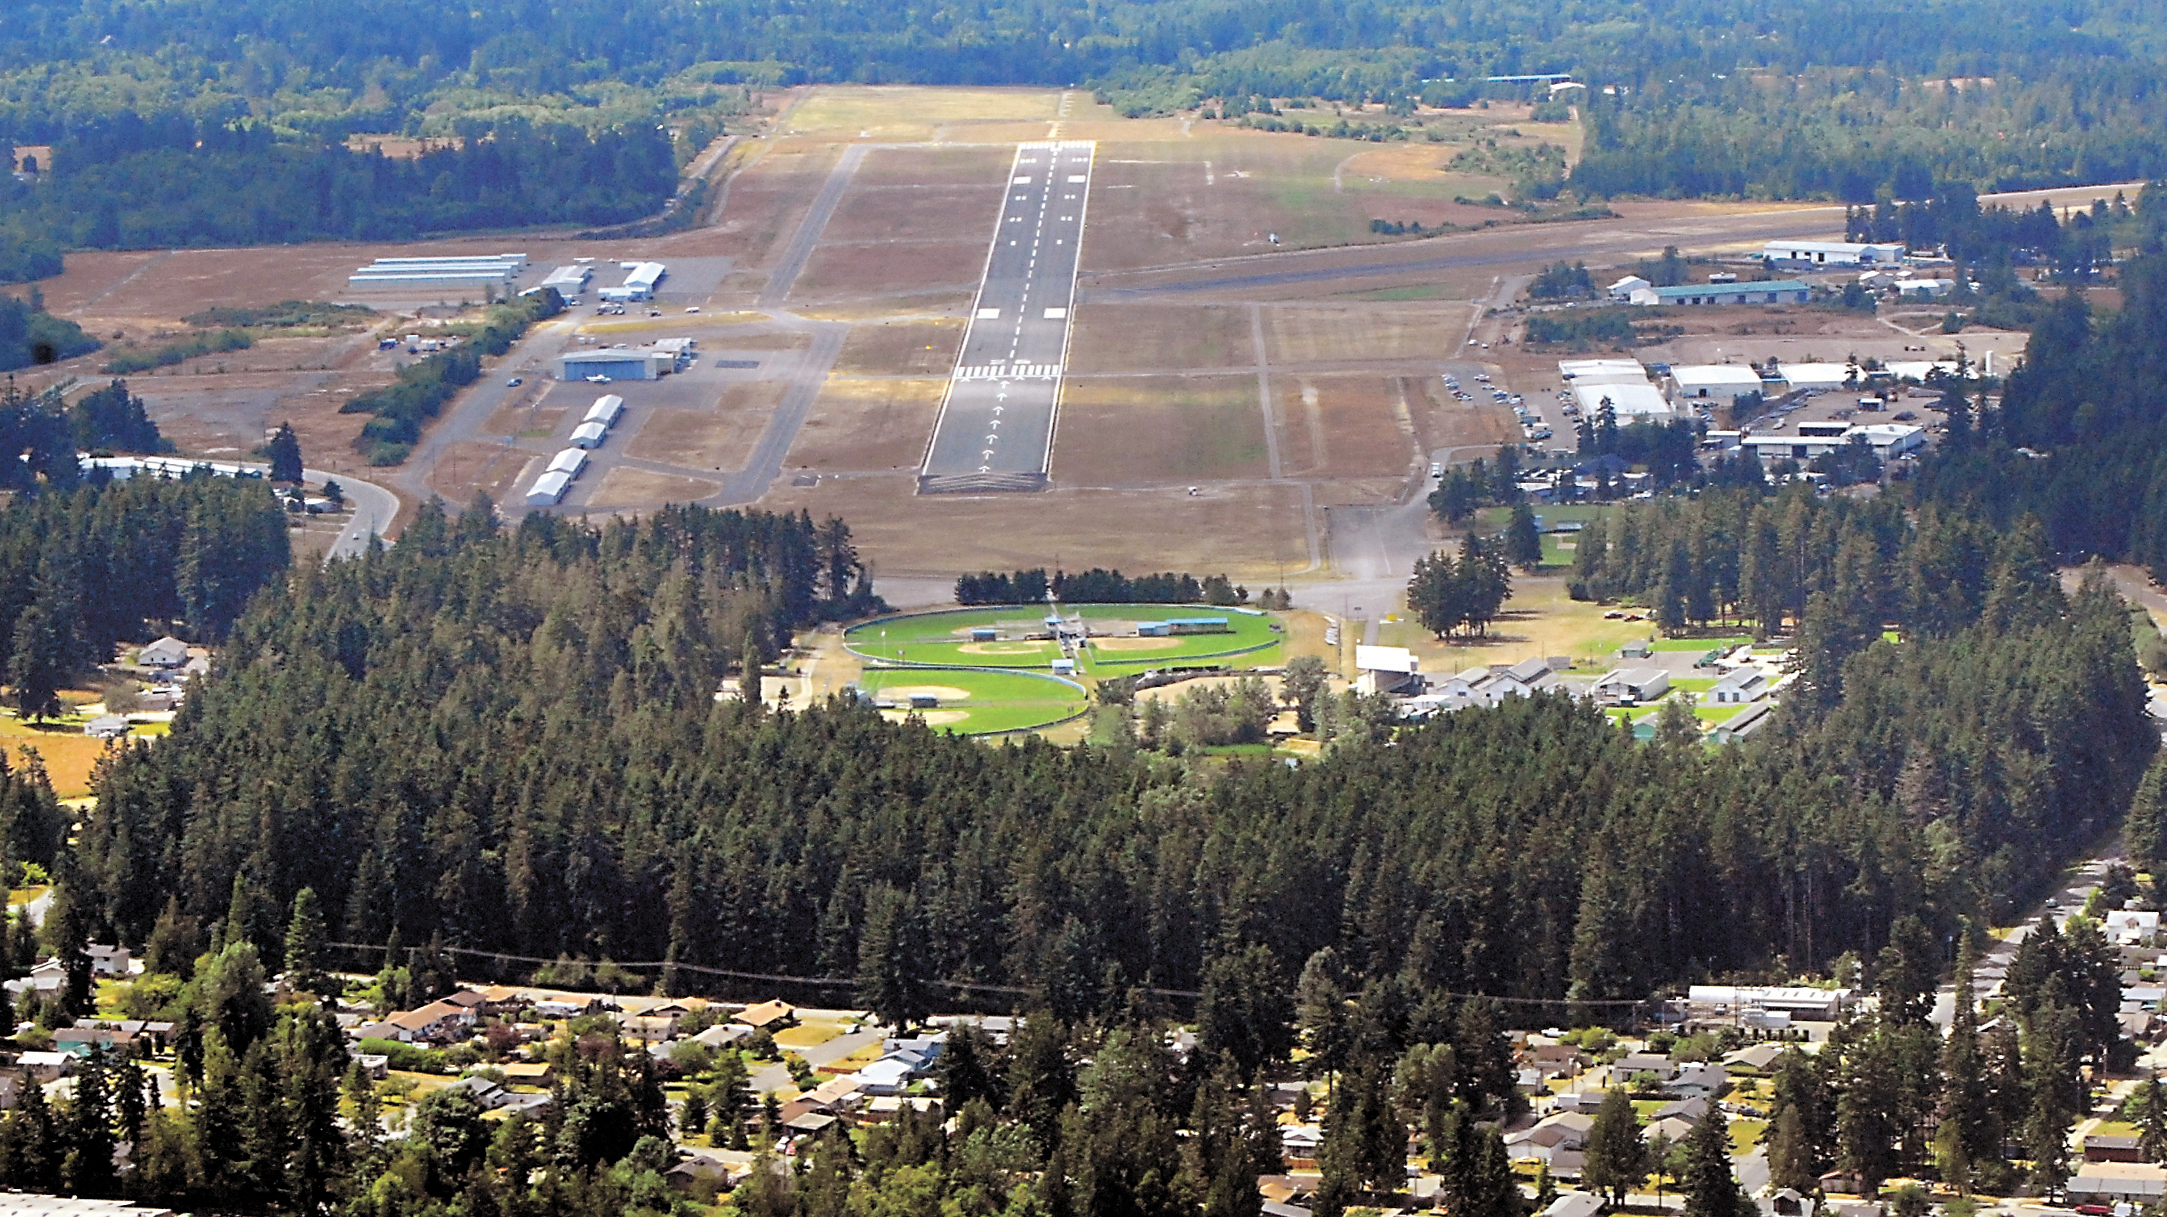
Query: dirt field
{"x": 901, "y": 348}
{"x": 1139, "y": 430}
{"x": 721, "y": 438}
{"x": 886, "y": 214}
{"x": 1355, "y": 332}
{"x": 1251, "y": 531}
{"x": 1343, "y": 426}
{"x": 630, "y": 490}
{"x": 868, "y": 425}
{"x": 887, "y": 270}
{"x": 1159, "y": 338}
{"x": 475, "y": 467}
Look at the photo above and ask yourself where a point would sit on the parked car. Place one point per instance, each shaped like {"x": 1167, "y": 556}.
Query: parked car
{"x": 515, "y": 382}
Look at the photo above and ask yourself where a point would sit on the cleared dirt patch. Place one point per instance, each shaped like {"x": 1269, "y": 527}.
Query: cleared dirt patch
{"x": 867, "y": 270}
{"x": 1443, "y": 421}
{"x": 899, "y": 112}
{"x": 901, "y": 348}
{"x": 942, "y": 692}
{"x": 1250, "y": 531}
{"x": 1341, "y": 426}
{"x": 917, "y": 213}
{"x": 626, "y": 488}
{"x": 1331, "y": 333}
{"x": 1130, "y": 430}
{"x": 768, "y": 198}
{"x": 462, "y": 469}
{"x": 721, "y": 438}
{"x": 931, "y": 718}
{"x": 1159, "y": 337}
{"x": 932, "y": 166}
{"x": 869, "y": 424}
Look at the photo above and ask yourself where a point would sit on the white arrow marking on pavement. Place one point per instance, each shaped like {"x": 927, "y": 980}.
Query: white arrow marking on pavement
{"x": 987, "y": 455}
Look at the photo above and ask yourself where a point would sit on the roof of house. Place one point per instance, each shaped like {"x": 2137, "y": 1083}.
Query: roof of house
{"x": 766, "y": 1012}
{"x": 526, "y": 1071}
{"x": 1574, "y": 1204}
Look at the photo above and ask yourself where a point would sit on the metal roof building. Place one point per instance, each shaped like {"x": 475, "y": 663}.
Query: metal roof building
{"x": 1718, "y": 381}
{"x": 548, "y": 489}
{"x": 616, "y": 363}
{"x": 1780, "y": 291}
{"x": 606, "y": 410}
{"x": 589, "y": 435}
{"x": 569, "y": 462}
{"x": 1631, "y": 403}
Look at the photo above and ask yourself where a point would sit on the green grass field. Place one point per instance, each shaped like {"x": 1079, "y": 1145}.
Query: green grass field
{"x": 945, "y": 638}
{"x": 978, "y": 701}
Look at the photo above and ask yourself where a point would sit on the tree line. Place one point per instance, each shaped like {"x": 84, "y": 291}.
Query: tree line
{"x": 510, "y": 739}
{"x": 163, "y": 181}
{"x": 420, "y": 389}
{"x": 1096, "y": 586}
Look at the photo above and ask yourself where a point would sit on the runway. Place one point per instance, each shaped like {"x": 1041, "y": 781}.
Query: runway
{"x": 995, "y": 429}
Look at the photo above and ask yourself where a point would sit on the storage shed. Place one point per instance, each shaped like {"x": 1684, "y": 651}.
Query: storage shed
{"x": 569, "y": 462}
{"x": 589, "y": 435}
{"x": 548, "y": 489}
{"x": 606, "y": 410}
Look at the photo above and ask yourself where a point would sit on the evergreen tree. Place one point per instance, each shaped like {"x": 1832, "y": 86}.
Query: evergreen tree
{"x": 283, "y": 450}
{"x": 305, "y": 937}
{"x": 1711, "y": 1190}
{"x": 891, "y": 954}
{"x": 1617, "y": 1156}
{"x": 1523, "y": 540}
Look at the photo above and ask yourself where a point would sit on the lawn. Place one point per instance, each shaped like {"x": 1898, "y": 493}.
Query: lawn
{"x": 978, "y": 701}
{"x": 807, "y": 1035}
{"x": 945, "y": 638}
{"x": 1699, "y": 644}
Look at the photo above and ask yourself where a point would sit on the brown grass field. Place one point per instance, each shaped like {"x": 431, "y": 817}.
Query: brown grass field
{"x": 721, "y": 438}
{"x": 1343, "y": 426}
{"x": 916, "y": 213}
{"x": 1140, "y": 430}
{"x": 629, "y": 490}
{"x": 890, "y": 270}
{"x": 868, "y": 425}
{"x": 901, "y": 348}
{"x": 1355, "y": 332}
{"x": 1159, "y": 337}
{"x": 934, "y": 166}
{"x": 1250, "y": 530}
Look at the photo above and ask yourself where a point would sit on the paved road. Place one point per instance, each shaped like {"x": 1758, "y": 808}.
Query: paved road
{"x": 807, "y": 237}
{"x": 1993, "y": 964}
{"x": 777, "y": 1076}
{"x": 1595, "y": 241}
{"x": 999, "y": 411}
{"x": 374, "y": 510}
{"x": 766, "y": 462}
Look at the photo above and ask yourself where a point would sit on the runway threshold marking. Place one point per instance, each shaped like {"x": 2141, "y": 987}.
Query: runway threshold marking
{"x": 1028, "y": 376}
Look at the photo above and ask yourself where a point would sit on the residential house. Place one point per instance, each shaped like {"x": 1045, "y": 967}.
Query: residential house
{"x": 1742, "y": 687}
{"x": 769, "y": 1016}
{"x": 2132, "y": 925}
{"x": 722, "y": 1035}
{"x": 1699, "y": 1080}
{"x": 1628, "y": 686}
{"x": 1759, "y": 1058}
{"x": 2112, "y": 1147}
{"x": 809, "y": 1123}
{"x": 529, "y": 1073}
{"x": 890, "y": 1075}
{"x": 436, "y": 1023}
{"x": 43, "y": 1067}
{"x": 1568, "y": 1131}
{"x": 1574, "y": 1204}
{"x": 489, "y": 1094}
{"x": 375, "y": 1065}
{"x": 1670, "y": 1131}
{"x": 1692, "y": 1111}
{"x": 2141, "y": 1183}
{"x": 167, "y": 652}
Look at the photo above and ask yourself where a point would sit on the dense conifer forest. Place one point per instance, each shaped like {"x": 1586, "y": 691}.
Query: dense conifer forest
{"x": 507, "y": 741}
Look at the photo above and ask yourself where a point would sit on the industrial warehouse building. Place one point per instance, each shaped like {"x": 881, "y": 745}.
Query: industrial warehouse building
{"x": 1779, "y": 291}
{"x": 569, "y": 280}
{"x": 1888, "y": 440}
{"x": 615, "y": 363}
{"x": 1723, "y": 382}
{"x": 450, "y": 272}
{"x": 641, "y": 279}
{"x": 1833, "y": 253}
{"x": 1623, "y": 383}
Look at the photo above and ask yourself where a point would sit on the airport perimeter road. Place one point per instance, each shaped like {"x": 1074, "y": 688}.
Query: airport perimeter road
{"x": 997, "y": 418}
{"x": 374, "y": 510}
{"x": 1514, "y": 246}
